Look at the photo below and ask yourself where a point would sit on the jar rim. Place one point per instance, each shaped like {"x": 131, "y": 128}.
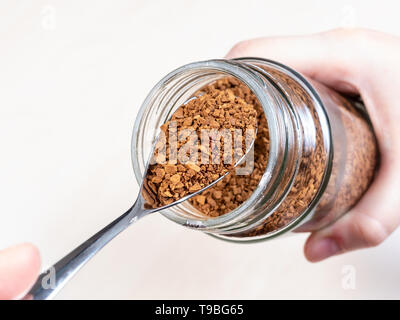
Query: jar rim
{"x": 255, "y": 83}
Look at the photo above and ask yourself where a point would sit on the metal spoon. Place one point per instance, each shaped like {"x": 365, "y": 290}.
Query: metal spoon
{"x": 50, "y": 282}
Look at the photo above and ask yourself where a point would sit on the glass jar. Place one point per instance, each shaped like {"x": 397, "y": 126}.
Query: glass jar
{"x": 322, "y": 152}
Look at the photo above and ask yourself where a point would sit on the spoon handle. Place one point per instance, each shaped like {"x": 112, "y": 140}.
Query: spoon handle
{"x": 51, "y": 281}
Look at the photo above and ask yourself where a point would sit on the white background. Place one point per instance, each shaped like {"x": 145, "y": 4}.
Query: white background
{"x": 72, "y": 77}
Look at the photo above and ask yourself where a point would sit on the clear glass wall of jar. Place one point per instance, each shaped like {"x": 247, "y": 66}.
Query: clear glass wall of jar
{"x": 322, "y": 153}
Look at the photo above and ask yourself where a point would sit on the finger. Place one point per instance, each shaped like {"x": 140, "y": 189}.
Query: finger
{"x": 372, "y": 220}
{"x": 326, "y": 57}
{"x": 19, "y": 267}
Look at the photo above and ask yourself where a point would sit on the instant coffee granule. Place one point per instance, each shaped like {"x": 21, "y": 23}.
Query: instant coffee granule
{"x": 193, "y": 165}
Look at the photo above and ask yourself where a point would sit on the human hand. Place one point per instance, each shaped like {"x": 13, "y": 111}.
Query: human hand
{"x": 19, "y": 268}
{"x": 361, "y": 62}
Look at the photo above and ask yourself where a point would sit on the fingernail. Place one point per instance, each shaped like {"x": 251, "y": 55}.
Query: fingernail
{"x": 321, "y": 249}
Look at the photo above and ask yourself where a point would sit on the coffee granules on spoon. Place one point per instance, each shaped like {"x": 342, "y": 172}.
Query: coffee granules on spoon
{"x": 217, "y": 114}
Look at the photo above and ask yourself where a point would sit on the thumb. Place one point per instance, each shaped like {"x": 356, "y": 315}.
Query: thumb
{"x": 19, "y": 267}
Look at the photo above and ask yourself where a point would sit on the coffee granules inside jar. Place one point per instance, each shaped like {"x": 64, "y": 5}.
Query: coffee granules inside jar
{"x": 352, "y": 167}
{"x": 193, "y": 165}
{"x": 319, "y": 164}
{"x": 350, "y": 175}
{"x": 354, "y": 163}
